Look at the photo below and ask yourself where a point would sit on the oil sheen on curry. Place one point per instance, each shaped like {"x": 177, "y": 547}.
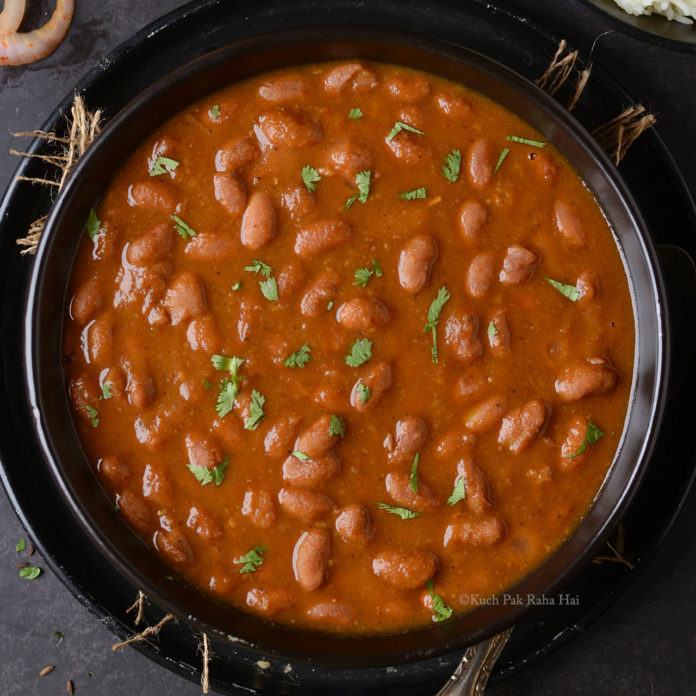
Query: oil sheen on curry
{"x": 350, "y": 346}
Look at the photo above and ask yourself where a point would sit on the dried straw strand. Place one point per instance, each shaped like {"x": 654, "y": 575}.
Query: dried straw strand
{"x": 559, "y": 69}
{"x": 204, "y": 649}
{"x": 147, "y": 633}
{"x": 617, "y": 135}
{"x": 139, "y": 605}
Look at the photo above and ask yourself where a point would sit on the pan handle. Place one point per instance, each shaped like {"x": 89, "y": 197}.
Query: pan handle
{"x": 679, "y": 273}
{"x": 471, "y": 676}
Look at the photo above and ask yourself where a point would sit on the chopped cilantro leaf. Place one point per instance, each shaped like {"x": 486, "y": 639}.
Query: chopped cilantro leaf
{"x": 452, "y": 166}
{"x": 360, "y": 352}
{"x": 492, "y": 331}
{"x": 459, "y": 491}
{"x": 356, "y": 113}
{"x": 206, "y": 384}
{"x": 351, "y": 200}
{"x": 163, "y": 165}
{"x": 301, "y": 456}
{"x": 29, "y": 572}
{"x": 363, "y": 392}
{"x": 222, "y": 362}
{"x": 106, "y": 391}
{"x": 337, "y": 426}
{"x": 362, "y": 276}
{"x": 377, "y": 269}
{"x": 205, "y": 476}
{"x": 501, "y": 159}
{"x": 569, "y": 291}
{"x": 403, "y": 513}
{"x": 300, "y": 357}
{"x": 329, "y": 305}
{"x": 256, "y": 414}
{"x": 214, "y": 111}
{"x": 259, "y": 267}
{"x": 526, "y": 141}
{"x": 413, "y": 195}
{"x": 310, "y": 176}
{"x": 269, "y": 288}
{"x": 93, "y": 415}
{"x": 362, "y": 179}
{"x": 237, "y": 285}
{"x": 59, "y": 636}
{"x": 182, "y": 228}
{"x": 440, "y": 610}
{"x": 414, "y": 473}
{"x": 434, "y": 317}
{"x": 93, "y": 224}
{"x": 592, "y": 435}
{"x": 251, "y": 561}
{"x": 399, "y": 126}
{"x": 21, "y": 545}
{"x": 229, "y": 388}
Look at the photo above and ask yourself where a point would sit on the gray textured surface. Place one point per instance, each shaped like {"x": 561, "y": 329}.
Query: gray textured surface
{"x": 643, "y": 646}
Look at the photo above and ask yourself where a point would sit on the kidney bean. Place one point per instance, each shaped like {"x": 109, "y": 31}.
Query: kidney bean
{"x": 453, "y": 105}
{"x": 174, "y": 546}
{"x": 310, "y": 559}
{"x": 280, "y": 436}
{"x": 412, "y": 116}
{"x": 378, "y": 380}
{"x": 407, "y": 87}
{"x": 152, "y": 430}
{"x": 87, "y": 301}
{"x": 321, "y": 236}
{"x": 354, "y": 524}
{"x": 461, "y": 334}
{"x": 98, "y": 337}
{"x": 398, "y": 485}
{"x": 305, "y": 505}
{"x": 482, "y": 158}
{"x": 203, "y": 524}
{"x": 362, "y": 313}
{"x": 331, "y": 397}
{"x": 259, "y": 508}
{"x": 312, "y": 473}
{"x": 411, "y": 435}
{"x": 203, "y": 451}
{"x": 348, "y": 77}
{"x": 416, "y": 261}
{"x": 283, "y": 89}
{"x": 499, "y": 339}
{"x": 569, "y": 225}
{"x": 319, "y": 294}
{"x": 247, "y": 318}
{"x": 185, "y": 297}
{"x": 317, "y": 440}
{"x": 299, "y": 202}
{"x": 485, "y": 414}
{"x": 230, "y": 193}
{"x": 587, "y": 284}
{"x": 202, "y": 334}
{"x": 332, "y": 612}
{"x": 470, "y": 383}
{"x": 134, "y": 510}
{"x": 473, "y": 216}
{"x": 573, "y": 443}
{"x": 401, "y": 609}
{"x": 156, "y": 486}
{"x": 521, "y": 425}
{"x": 113, "y": 469}
{"x": 289, "y": 278}
{"x": 268, "y": 601}
{"x": 518, "y": 265}
{"x": 284, "y": 129}
{"x": 150, "y": 247}
{"x": 453, "y": 442}
{"x": 590, "y": 378}
{"x": 349, "y": 158}
{"x": 155, "y": 195}
{"x": 481, "y": 274}
{"x": 236, "y": 154}
{"x": 258, "y": 222}
{"x": 406, "y": 570}
{"x": 476, "y": 486}
{"x": 409, "y": 148}
{"x": 140, "y": 388}
{"x": 544, "y": 168}
{"x": 477, "y": 532}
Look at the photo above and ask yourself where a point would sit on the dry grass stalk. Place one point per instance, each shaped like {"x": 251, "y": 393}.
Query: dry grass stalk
{"x": 139, "y": 605}
{"x": 46, "y": 670}
{"x": 559, "y": 69}
{"x": 150, "y": 631}
{"x": 83, "y": 128}
{"x": 70, "y": 687}
{"x": 204, "y": 648}
{"x": 617, "y": 135}
{"x": 618, "y": 549}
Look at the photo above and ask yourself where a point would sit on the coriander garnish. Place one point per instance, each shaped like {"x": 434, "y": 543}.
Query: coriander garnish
{"x": 93, "y": 415}
{"x": 337, "y": 426}
{"x": 207, "y": 384}
{"x": 251, "y": 560}
{"x": 106, "y": 391}
{"x": 492, "y": 331}
{"x": 29, "y": 572}
{"x": 434, "y": 317}
{"x": 182, "y": 228}
{"x": 301, "y": 456}
{"x": 93, "y": 224}
{"x": 363, "y": 392}
{"x": 229, "y": 388}
{"x": 400, "y": 126}
{"x": 403, "y": 513}
{"x": 526, "y": 141}
{"x": 214, "y": 111}
{"x": 259, "y": 267}
{"x": 237, "y": 285}
{"x": 205, "y": 476}
{"x": 329, "y": 305}
{"x": 360, "y": 352}
{"x": 569, "y": 291}
{"x": 452, "y": 166}
{"x": 163, "y": 165}
{"x": 269, "y": 289}
{"x": 21, "y": 545}
{"x": 355, "y": 113}
{"x": 256, "y": 414}
{"x": 362, "y": 179}
{"x": 413, "y": 195}
{"x": 363, "y": 275}
{"x": 300, "y": 357}
{"x": 310, "y": 176}
{"x": 592, "y": 435}
{"x": 59, "y": 636}
{"x": 459, "y": 492}
{"x": 440, "y": 610}
{"x": 414, "y": 473}
{"x": 501, "y": 159}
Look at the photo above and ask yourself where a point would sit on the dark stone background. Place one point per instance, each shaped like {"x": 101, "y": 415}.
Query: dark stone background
{"x": 643, "y": 646}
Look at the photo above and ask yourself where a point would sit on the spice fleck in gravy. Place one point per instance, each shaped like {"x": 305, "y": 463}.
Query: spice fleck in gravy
{"x": 351, "y": 344}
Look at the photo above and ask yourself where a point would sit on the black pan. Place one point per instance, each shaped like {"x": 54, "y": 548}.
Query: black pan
{"x": 46, "y": 310}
